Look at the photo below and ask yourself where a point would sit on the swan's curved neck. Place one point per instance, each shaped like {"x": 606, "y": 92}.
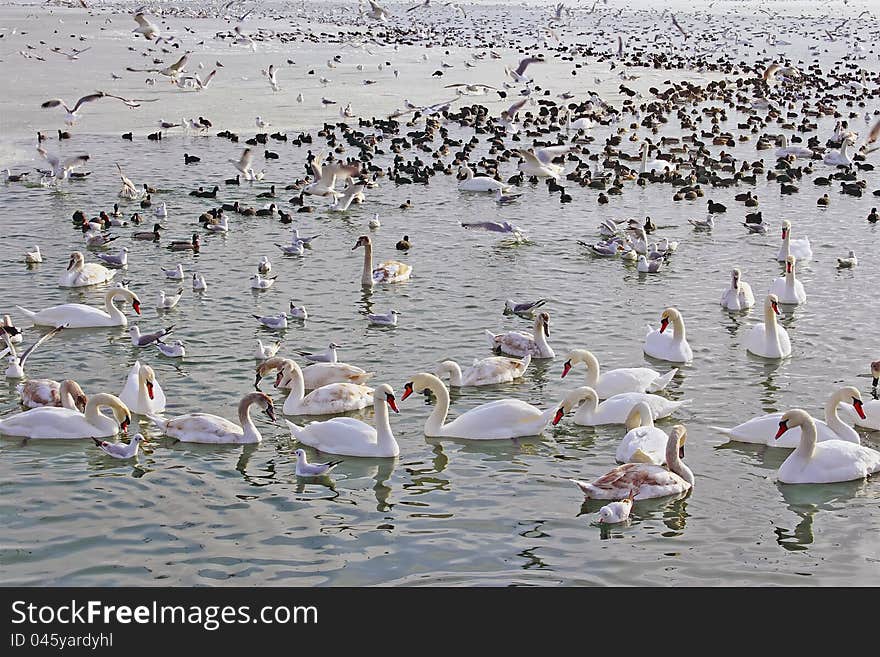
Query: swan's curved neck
{"x": 109, "y": 305}
{"x": 588, "y": 408}
{"x": 95, "y": 404}
{"x": 639, "y": 416}
{"x": 454, "y": 371}
{"x": 675, "y": 464}
{"x": 592, "y": 365}
{"x": 367, "y": 275}
{"x": 832, "y": 419}
{"x": 295, "y": 380}
{"x": 251, "y": 433}
{"x": 770, "y": 320}
{"x": 437, "y": 418}
{"x": 789, "y": 275}
{"x": 143, "y": 397}
{"x": 807, "y": 446}
{"x": 385, "y": 440}
{"x": 540, "y": 336}
{"x": 678, "y": 331}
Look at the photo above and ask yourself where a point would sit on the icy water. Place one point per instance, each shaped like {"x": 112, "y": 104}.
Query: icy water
{"x": 445, "y": 512}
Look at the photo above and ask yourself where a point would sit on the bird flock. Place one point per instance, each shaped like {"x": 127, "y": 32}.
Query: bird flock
{"x": 734, "y": 110}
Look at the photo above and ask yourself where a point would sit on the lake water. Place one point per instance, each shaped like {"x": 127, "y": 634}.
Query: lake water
{"x": 445, "y": 512}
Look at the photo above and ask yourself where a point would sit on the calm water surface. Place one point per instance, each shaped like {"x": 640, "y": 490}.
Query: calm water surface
{"x": 444, "y": 512}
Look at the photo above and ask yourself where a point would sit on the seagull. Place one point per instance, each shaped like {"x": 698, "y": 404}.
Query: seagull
{"x": 260, "y": 283}
{"x": 168, "y": 301}
{"x": 524, "y": 309}
{"x": 172, "y": 349}
{"x": 121, "y": 450}
{"x": 72, "y": 55}
{"x": 274, "y": 322}
{"x": 326, "y": 356}
{"x": 271, "y": 74}
{"x": 849, "y": 262}
{"x": 261, "y": 123}
{"x": 243, "y": 164}
{"x": 264, "y": 266}
{"x": 61, "y": 170}
{"x": 264, "y": 351}
{"x": 295, "y": 237}
{"x": 649, "y": 266}
{"x": 147, "y": 339}
{"x": 33, "y": 257}
{"x": 377, "y": 12}
{"x": 148, "y": 29}
{"x": 71, "y": 117}
{"x": 296, "y": 248}
{"x": 16, "y": 361}
{"x": 118, "y": 260}
{"x": 518, "y": 74}
{"x": 387, "y": 319}
{"x": 493, "y": 226}
{"x": 703, "y": 224}
{"x": 199, "y": 283}
{"x": 298, "y": 312}
{"x": 172, "y": 71}
{"x": 175, "y": 274}
{"x": 306, "y": 469}
{"x": 344, "y": 200}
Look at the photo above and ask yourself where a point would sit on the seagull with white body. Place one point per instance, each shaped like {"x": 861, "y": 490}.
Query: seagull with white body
{"x": 146, "y": 339}
{"x": 148, "y": 29}
{"x": 243, "y": 164}
{"x": 384, "y": 319}
{"x": 327, "y": 356}
{"x": 264, "y": 351}
{"x": 33, "y": 257}
{"x": 175, "y": 274}
{"x": 258, "y": 282}
{"x": 168, "y": 301}
{"x": 271, "y": 74}
{"x": 298, "y": 312}
{"x": 275, "y": 322}
{"x": 172, "y": 71}
{"x": 115, "y": 260}
{"x": 296, "y": 248}
{"x": 264, "y": 266}
{"x": 518, "y": 74}
{"x": 174, "y": 349}
{"x": 306, "y": 469}
{"x": 61, "y": 169}
{"x": 199, "y": 283}
{"x": 15, "y": 370}
{"x": 523, "y": 309}
{"x": 121, "y": 450}
{"x": 494, "y": 226}
{"x": 344, "y": 200}
{"x": 376, "y": 12}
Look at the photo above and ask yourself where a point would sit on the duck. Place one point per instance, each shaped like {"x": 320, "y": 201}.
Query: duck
{"x": 208, "y": 428}
{"x": 497, "y": 420}
{"x": 521, "y": 344}
{"x": 142, "y": 392}
{"x": 673, "y": 348}
{"x": 82, "y": 274}
{"x": 78, "y": 315}
{"x": 768, "y": 339}
{"x": 760, "y": 430}
{"x": 787, "y": 288}
{"x": 327, "y": 400}
{"x": 826, "y": 462}
{"x": 390, "y": 271}
{"x": 617, "y": 381}
{"x": 52, "y": 422}
{"x": 348, "y": 436}
{"x": 615, "y": 410}
{"x": 473, "y": 183}
{"x": 35, "y": 393}
{"x": 643, "y": 442}
{"x": 800, "y": 248}
{"x": 739, "y": 295}
{"x": 716, "y": 208}
{"x": 181, "y": 245}
{"x": 152, "y": 235}
{"x": 485, "y": 371}
{"x": 403, "y": 245}
{"x": 647, "y": 480}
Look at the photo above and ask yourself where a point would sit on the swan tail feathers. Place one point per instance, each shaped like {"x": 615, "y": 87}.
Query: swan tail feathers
{"x": 526, "y": 360}
{"x": 295, "y": 429}
{"x": 490, "y": 338}
{"x": 724, "y": 430}
{"x": 586, "y": 488}
{"x": 662, "y": 381}
{"x": 30, "y": 314}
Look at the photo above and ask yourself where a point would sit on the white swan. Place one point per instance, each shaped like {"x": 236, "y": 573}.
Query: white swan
{"x": 825, "y": 462}
{"x": 614, "y": 382}
{"x": 479, "y": 183}
{"x": 35, "y": 393}
{"x": 768, "y": 338}
{"x": 349, "y": 436}
{"x": 497, "y": 420}
{"x": 760, "y": 430}
{"x": 582, "y": 123}
{"x": 840, "y": 157}
{"x": 326, "y": 400}
{"x": 643, "y": 442}
{"x": 800, "y": 248}
{"x": 484, "y": 372}
{"x": 81, "y": 274}
{"x": 66, "y": 423}
{"x": 78, "y": 315}
{"x": 788, "y": 289}
{"x": 142, "y": 392}
{"x": 534, "y": 165}
{"x": 739, "y": 295}
{"x": 390, "y": 271}
{"x": 786, "y": 150}
{"x": 645, "y": 479}
{"x": 207, "y": 428}
{"x": 518, "y": 343}
{"x": 646, "y": 166}
{"x": 661, "y": 345}
{"x": 616, "y": 409}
